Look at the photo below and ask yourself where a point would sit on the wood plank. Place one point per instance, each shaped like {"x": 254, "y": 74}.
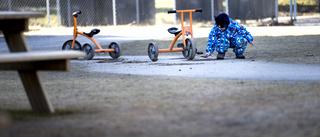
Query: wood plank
{"x": 14, "y": 25}
{"x": 20, "y": 15}
{"x": 57, "y": 65}
{"x": 17, "y": 21}
{"x": 40, "y": 56}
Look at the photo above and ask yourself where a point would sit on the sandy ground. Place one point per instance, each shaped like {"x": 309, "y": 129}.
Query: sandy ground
{"x": 204, "y": 67}
{"x": 275, "y": 92}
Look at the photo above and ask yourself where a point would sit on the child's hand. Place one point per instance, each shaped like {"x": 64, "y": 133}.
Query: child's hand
{"x": 206, "y": 55}
{"x": 252, "y": 43}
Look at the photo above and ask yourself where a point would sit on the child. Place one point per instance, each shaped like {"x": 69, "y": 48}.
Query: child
{"x": 227, "y": 33}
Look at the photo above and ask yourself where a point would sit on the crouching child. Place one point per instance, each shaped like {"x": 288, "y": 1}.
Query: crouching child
{"x": 225, "y": 34}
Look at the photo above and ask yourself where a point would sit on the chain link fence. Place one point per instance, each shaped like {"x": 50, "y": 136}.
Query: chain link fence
{"x": 256, "y": 10}
{"x": 94, "y": 12}
{"x": 284, "y": 11}
{"x": 118, "y": 12}
{"x": 251, "y": 9}
{"x": 304, "y": 7}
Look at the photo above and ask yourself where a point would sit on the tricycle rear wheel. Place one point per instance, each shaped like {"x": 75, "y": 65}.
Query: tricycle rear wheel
{"x": 117, "y": 50}
{"x": 87, "y": 48}
{"x": 153, "y": 51}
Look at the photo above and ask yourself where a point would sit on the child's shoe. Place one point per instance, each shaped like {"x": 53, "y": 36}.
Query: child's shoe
{"x": 205, "y": 56}
{"x": 240, "y": 56}
{"x": 221, "y": 55}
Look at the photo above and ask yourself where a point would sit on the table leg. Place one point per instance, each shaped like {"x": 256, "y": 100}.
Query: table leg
{"x": 38, "y": 98}
{"x": 31, "y": 80}
{"x": 16, "y": 42}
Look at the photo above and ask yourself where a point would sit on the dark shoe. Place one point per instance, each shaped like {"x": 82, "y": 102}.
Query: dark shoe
{"x": 221, "y": 55}
{"x": 240, "y": 56}
{"x": 180, "y": 45}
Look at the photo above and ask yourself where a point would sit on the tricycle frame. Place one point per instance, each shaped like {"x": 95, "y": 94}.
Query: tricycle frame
{"x": 186, "y": 30}
{"x": 76, "y": 32}
{"x": 114, "y": 48}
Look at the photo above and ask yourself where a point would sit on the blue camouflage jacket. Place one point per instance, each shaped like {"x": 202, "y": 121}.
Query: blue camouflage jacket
{"x": 222, "y": 38}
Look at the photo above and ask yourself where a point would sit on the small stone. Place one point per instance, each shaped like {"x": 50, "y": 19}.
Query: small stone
{"x": 309, "y": 55}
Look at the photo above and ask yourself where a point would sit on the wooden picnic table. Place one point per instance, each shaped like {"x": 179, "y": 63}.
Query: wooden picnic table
{"x": 27, "y": 63}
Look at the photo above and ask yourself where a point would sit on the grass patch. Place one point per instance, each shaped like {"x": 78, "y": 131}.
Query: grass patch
{"x": 43, "y": 22}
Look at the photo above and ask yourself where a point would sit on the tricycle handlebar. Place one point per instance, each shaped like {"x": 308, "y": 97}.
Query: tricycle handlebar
{"x": 76, "y": 13}
{"x": 192, "y": 10}
{"x": 172, "y": 11}
{"x": 199, "y": 10}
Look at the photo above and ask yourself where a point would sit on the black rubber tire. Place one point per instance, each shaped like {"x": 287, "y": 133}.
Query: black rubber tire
{"x": 67, "y": 45}
{"x": 87, "y": 48}
{"x": 153, "y": 51}
{"x": 190, "y": 53}
{"x": 117, "y": 50}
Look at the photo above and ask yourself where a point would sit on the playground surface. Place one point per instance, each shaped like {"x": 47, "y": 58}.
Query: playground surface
{"x": 273, "y": 92}
{"x": 230, "y": 68}
{"x": 272, "y": 43}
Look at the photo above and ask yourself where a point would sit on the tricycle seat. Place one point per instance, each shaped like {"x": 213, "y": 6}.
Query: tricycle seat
{"x": 93, "y": 32}
{"x": 174, "y": 30}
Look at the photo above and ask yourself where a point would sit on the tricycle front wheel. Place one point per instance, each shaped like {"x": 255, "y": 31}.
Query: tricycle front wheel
{"x": 190, "y": 49}
{"x": 68, "y": 44}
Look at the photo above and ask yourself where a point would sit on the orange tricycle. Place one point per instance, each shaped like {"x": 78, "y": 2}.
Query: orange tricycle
{"x": 188, "y": 47}
{"x": 114, "y": 48}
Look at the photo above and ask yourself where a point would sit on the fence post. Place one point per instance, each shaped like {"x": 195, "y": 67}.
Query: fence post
{"x": 58, "y": 13}
{"x": 295, "y": 10}
{"x": 175, "y": 15}
{"x": 227, "y": 7}
{"x": 69, "y": 14}
{"x": 291, "y": 11}
{"x": 277, "y": 10}
{"x": 114, "y": 12}
{"x": 212, "y": 10}
{"x": 137, "y": 12}
{"x": 48, "y": 12}
{"x": 9, "y": 2}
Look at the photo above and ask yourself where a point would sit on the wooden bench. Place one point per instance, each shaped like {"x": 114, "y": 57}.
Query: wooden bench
{"x": 27, "y": 63}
